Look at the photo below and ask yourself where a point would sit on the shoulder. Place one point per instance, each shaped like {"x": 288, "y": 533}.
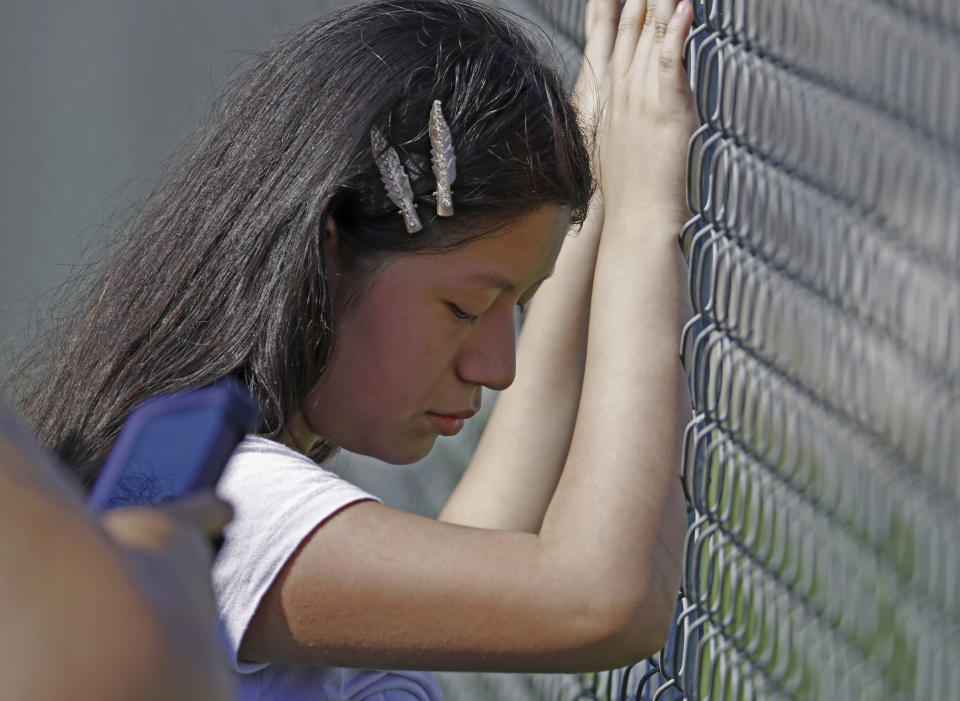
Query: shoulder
{"x": 275, "y": 468}
{"x": 255, "y": 448}
{"x": 263, "y": 474}
{"x": 279, "y": 497}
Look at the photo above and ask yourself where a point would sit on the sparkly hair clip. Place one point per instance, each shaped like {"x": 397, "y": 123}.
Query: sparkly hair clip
{"x": 395, "y": 180}
{"x": 444, "y": 160}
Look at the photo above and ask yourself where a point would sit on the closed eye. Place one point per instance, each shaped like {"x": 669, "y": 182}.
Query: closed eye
{"x": 461, "y": 315}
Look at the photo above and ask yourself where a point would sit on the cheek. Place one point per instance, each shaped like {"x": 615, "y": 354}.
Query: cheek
{"x": 394, "y": 352}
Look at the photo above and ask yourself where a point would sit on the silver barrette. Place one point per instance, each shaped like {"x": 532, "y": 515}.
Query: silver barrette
{"x": 395, "y": 179}
{"x": 444, "y": 160}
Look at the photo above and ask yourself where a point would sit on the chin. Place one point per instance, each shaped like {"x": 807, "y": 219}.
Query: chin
{"x": 404, "y": 453}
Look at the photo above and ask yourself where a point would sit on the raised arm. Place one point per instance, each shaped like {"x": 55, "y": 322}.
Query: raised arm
{"x": 626, "y": 446}
{"x": 595, "y": 584}
{"x": 514, "y": 470}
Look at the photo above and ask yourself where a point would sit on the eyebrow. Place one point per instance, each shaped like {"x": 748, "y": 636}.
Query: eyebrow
{"x": 492, "y": 280}
{"x": 498, "y": 282}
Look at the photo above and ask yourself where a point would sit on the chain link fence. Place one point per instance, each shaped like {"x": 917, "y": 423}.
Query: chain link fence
{"x": 822, "y": 463}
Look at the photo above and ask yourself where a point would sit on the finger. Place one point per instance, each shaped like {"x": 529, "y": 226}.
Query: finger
{"x": 600, "y": 23}
{"x": 167, "y": 547}
{"x": 674, "y": 88}
{"x": 600, "y": 29}
{"x": 203, "y": 511}
{"x": 654, "y": 29}
{"x": 632, "y": 17}
{"x": 662, "y": 15}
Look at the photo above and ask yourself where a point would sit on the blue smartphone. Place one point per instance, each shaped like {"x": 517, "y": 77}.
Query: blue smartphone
{"x": 173, "y": 445}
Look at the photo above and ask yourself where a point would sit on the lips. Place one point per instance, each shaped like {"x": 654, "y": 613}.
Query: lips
{"x": 465, "y": 414}
{"x": 448, "y": 424}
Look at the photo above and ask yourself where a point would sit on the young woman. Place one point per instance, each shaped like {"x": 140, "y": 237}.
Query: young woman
{"x": 289, "y": 252}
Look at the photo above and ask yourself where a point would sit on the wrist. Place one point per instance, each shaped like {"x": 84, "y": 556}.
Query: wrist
{"x": 643, "y": 226}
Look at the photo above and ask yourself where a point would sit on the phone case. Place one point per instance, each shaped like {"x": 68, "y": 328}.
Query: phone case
{"x": 173, "y": 445}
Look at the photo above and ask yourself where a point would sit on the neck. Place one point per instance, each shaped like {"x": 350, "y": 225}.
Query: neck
{"x": 298, "y": 435}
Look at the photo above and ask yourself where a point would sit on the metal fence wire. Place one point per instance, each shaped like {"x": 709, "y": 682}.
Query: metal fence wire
{"x": 821, "y": 465}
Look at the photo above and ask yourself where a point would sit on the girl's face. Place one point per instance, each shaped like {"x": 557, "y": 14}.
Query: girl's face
{"x": 426, "y": 333}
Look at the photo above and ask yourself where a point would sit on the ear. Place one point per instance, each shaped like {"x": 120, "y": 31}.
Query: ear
{"x": 331, "y": 248}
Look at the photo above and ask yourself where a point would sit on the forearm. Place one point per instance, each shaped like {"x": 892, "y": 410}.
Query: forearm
{"x": 518, "y": 461}
{"x": 618, "y": 508}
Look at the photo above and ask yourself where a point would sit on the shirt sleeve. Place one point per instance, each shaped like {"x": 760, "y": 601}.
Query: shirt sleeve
{"x": 279, "y": 497}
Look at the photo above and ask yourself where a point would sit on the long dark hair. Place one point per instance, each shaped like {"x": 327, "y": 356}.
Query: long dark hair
{"x": 223, "y": 272}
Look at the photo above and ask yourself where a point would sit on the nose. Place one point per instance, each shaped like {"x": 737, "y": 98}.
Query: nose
{"x": 489, "y": 357}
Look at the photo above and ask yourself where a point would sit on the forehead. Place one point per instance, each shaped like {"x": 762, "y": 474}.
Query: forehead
{"x": 521, "y": 253}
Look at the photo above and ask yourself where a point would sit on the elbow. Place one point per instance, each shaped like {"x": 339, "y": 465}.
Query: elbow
{"x": 621, "y": 625}
{"x": 620, "y": 612}
{"x": 634, "y": 629}
{"x": 647, "y": 633}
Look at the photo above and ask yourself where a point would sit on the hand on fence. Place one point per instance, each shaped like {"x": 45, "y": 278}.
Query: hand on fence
{"x": 600, "y": 30}
{"x": 647, "y": 113}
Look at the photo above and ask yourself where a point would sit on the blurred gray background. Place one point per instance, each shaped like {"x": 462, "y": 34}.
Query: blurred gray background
{"x": 96, "y": 95}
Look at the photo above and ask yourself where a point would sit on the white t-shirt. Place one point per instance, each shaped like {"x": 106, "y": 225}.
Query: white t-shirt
{"x": 279, "y": 497}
